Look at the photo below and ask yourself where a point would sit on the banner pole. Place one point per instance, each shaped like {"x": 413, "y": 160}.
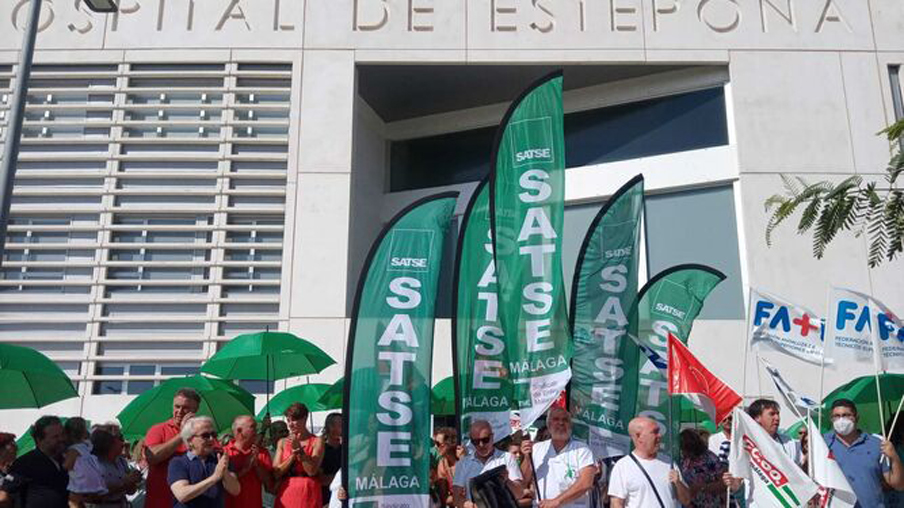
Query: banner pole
{"x": 881, "y": 413}
{"x": 822, "y": 376}
{"x": 746, "y": 345}
{"x": 671, "y": 432}
{"x": 894, "y": 422}
{"x": 877, "y": 361}
{"x": 759, "y": 376}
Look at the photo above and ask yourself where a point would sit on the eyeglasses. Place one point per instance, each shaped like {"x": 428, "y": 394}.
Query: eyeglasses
{"x": 480, "y": 441}
{"x": 207, "y": 435}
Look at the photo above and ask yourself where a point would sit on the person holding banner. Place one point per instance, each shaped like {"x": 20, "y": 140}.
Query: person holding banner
{"x": 484, "y": 458}
{"x": 864, "y": 459}
{"x": 643, "y": 480}
{"x": 564, "y": 466}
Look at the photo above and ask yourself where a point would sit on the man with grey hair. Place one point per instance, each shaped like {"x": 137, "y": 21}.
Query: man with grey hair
{"x": 564, "y": 466}
{"x": 199, "y": 478}
{"x": 162, "y": 443}
{"x": 484, "y": 458}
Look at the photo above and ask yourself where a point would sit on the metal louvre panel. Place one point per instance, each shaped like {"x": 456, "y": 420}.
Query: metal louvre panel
{"x": 148, "y": 212}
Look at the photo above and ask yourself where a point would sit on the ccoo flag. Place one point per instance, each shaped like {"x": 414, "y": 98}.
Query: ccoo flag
{"x": 527, "y": 190}
{"x": 775, "y": 480}
{"x": 783, "y": 326}
{"x": 390, "y": 357}
{"x": 836, "y": 491}
{"x": 689, "y": 377}
{"x": 484, "y": 389}
{"x": 603, "y": 291}
{"x": 860, "y": 330}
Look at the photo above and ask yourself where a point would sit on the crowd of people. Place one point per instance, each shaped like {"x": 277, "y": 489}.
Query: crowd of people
{"x": 184, "y": 462}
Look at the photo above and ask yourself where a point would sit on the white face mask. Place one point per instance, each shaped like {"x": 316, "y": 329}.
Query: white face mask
{"x": 843, "y": 426}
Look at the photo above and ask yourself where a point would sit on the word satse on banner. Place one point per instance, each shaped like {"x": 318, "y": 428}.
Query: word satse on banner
{"x": 393, "y": 448}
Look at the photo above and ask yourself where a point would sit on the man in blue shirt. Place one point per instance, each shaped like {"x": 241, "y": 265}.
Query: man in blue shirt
{"x": 199, "y": 477}
{"x": 864, "y": 459}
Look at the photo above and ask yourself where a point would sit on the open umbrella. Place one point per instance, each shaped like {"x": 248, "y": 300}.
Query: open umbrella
{"x": 220, "y": 400}
{"x": 309, "y": 395}
{"x": 334, "y": 395}
{"x": 862, "y": 391}
{"x": 267, "y": 356}
{"x": 442, "y": 398}
{"x": 30, "y": 379}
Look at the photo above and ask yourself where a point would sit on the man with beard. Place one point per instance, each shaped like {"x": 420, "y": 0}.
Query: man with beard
{"x": 564, "y": 466}
{"x": 162, "y": 443}
{"x": 41, "y": 470}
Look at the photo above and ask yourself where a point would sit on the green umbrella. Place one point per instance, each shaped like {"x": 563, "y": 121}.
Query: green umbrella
{"x": 309, "y": 395}
{"x": 220, "y": 400}
{"x": 30, "y": 379}
{"x": 862, "y": 391}
{"x": 334, "y": 395}
{"x": 442, "y": 398}
{"x": 267, "y": 356}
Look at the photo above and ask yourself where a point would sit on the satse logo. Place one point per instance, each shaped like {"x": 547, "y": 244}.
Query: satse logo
{"x": 410, "y": 250}
{"x": 535, "y": 132}
{"x": 408, "y": 262}
{"x": 533, "y": 153}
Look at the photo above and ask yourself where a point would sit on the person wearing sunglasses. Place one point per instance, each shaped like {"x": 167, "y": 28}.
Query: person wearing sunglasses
{"x": 484, "y": 458}
{"x": 199, "y": 478}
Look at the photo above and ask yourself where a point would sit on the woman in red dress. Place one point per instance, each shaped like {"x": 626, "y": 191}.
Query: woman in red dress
{"x": 297, "y": 463}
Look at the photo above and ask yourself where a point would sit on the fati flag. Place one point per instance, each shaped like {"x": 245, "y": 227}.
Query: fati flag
{"x": 689, "y": 377}
{"x": 484, "y": 389}
{"x": 783, "y": 326}
{"x": 800, "y": 403}
{"x": 527, "y": 188}
{"x": 667, "y": 303}
{"x": 603, "y": 291}
{"x": 775, "y": 480}
{"x": 855, "y": 325}
{"x": 836, "y": 491}
{"x": 389, "y": 360}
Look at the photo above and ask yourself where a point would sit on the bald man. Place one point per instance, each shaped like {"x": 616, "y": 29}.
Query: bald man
{"x": 642, "y": 480}
{"x": 484, "y": 458}
{"x": 564, "y": 466}
{"x": 250, "y": 463}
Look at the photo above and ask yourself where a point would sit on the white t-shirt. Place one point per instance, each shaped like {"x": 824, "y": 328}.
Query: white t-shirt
{"x": 470, "y": 466}
{"x": 556, "y": 472}
{"x": 629, "y": 483}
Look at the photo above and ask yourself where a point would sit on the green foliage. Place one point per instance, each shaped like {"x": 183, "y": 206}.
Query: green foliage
{"x": 827, "y": 209}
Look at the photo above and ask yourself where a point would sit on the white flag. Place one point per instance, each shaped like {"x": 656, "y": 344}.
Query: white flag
{"x": 796, "y": 401}
{"x": 827, "y": 473}
{"x": 783, "y": 326}
{"x": 855, "y": 325}
{"x": 775, "y": 480}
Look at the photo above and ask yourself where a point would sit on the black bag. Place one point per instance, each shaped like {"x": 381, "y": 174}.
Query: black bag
{"x": 488, "y": 490}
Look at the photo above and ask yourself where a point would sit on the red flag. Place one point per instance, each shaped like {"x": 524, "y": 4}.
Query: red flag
{"x": 688, "y": 376}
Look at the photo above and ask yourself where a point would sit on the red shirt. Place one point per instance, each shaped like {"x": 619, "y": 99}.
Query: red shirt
{"x": 159, "y": 494}
{"x": 250, "y": 495}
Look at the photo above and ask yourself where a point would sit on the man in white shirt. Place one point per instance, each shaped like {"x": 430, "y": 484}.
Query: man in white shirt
{"x": 484, "y": 458}
{"x": 767, "y": 413}
{"x": 720, "y": 442}
{"x": 564, "y": 466}
{"x": 640, "y": 479}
